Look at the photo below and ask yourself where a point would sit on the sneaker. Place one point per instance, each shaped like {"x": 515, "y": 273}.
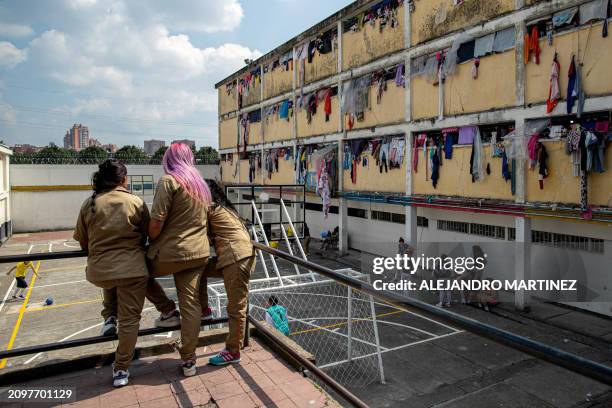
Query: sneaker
{"x": 439, "y": 304}
{"x": 223, "y": 358}
{"x": 21, "y": 297}
{"x": 168, "y": 320}
{"x": 189, "y": 368}
{"x": 120, "y": 378}
{"x": 207, "y": 314}
{"x": 110, "y": 327}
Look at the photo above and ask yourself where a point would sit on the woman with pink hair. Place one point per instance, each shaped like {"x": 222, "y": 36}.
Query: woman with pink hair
{"x": 179, "y": 242}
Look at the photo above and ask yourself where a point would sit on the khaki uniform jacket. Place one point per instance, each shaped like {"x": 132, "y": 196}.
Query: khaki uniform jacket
{"x": 114, "y": 235}
{"x": 184, "y": 235}
{"x": 229, "y": 235}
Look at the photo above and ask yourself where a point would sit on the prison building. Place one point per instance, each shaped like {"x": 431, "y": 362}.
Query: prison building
{"x": 441, "y": 121}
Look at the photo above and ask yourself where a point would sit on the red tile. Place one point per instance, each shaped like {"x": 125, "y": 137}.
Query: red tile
{"x": 226, "y": 390}
{"x": 197, "y": 397}
{"x": 119, "y": 397}
{"x": 257, "y": 382}
{"x": 166, "y": 402}
{"x": 219, "y": 376}
{"x": 267, "y": 397}
{"x": 185, "y": 384}
{"x": 146, "y": 393}
{"x": 238, "y": 401}
{"x": 273, "y": 365}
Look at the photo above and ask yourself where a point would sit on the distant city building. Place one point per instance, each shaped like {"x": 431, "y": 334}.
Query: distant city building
{"x": 190, "y": 143}
{"x": 111, "y": 148}
{"x": 25, "y": 148}
{"x": 152, "y": 146}
{"x": 95, "y": 142}
{"x": 77, "y": 137}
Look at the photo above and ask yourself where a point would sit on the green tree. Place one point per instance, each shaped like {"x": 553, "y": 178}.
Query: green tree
{"x": 55, "y": 155}
{"x": 93, "y": 154}
{"x": 158, "y": 155}
{"x": 131, "y": 154}
{"x": 207, "y": 155}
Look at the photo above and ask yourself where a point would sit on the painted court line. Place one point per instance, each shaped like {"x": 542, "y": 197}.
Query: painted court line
{"x": 11, "y": 285}
{"x": 20, "y": 317}
{"x": 61, "y": 283}
{"x": 81, "y": 302}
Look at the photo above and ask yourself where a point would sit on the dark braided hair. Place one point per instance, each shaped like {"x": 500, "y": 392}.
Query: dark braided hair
{"x": 110, "y": 174}
{"x": 218, "y": 196}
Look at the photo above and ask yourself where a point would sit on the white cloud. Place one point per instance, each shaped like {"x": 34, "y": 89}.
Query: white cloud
{"x": 15, "y": 30}
{"x": 11, "y": 56}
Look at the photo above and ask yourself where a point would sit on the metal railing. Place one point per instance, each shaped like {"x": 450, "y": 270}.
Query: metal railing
{"x": 538, "y": 349}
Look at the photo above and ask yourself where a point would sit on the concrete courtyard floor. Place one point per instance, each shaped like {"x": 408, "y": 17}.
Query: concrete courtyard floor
{"x": 426, "y": 363}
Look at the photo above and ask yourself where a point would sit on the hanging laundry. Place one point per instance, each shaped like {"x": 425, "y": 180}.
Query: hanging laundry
{"x": 476, "y": 158}
{"x": 435, "y": 166}
{"x": 467, "y": 134}
{"x": 400, "y": 79}
{"x": 327, "y": 104}
{"x": 419, "y": 141}
{"x": 484, "y": 45}
{"x": 449, "y": 141}
{"x": 504, "y": 170}
{"x": 475, "y": 68}
{"x": 564, "y": 17}
{"x": 532, "y": 149}
{"x": 504, "y": 40}
{"x": 554, "y": 93}
{"x": 244, "y": 126}
{"x": 542, "y": 167}
{"x": 574, "y": 88}
{"x": 283, "y": 112}
{"x": 533, "y": 45}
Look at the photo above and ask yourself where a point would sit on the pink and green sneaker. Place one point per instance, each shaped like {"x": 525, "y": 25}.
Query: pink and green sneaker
{"x": 223, "y": 358}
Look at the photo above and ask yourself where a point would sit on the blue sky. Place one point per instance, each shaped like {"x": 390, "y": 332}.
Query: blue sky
{"x": 132, "y": 69}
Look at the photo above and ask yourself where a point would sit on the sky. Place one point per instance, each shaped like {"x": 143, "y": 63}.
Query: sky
{"x": 132, "y": 70}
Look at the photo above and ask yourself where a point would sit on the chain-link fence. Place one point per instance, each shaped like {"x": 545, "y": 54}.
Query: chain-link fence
{"x": 334, "y": 323}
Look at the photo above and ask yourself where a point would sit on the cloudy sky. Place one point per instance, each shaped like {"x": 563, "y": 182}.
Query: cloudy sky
{"x": 132, "y": 69}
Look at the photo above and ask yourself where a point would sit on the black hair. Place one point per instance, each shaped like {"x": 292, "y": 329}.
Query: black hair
{"x": 110, "y": 174}
{"x": 218, "y": 196}
{"x": 401, "y": 239}
{"x": 273, "y": 300}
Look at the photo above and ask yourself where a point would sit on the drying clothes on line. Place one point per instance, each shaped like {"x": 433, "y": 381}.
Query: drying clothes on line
{"x": 504, "y": 40}
{"x": 244, "y": 127}
{"x": 564, "y": 17}
{"x": 283, "y": 112}
{"x": 505, "y": 172}
{"x": 323, "y": 190}
{"x": 450, "y": 139}
{"x": 532, "y": 149}
{"x": 532, "y": 46}
{"x": 419, "y": 141}
{"x": 554, "y": 94}
{"x": 381, "y": 84}
{"x": 476, "y": 159}
{"x": 384, "y": 155}
{"x": 542, "y": 167}
{"x": 396, "y": 152}
{"x": 435, "y": 165}
{"x": 467, "y": 134}
{"x": 400, "y": 76}
{"x": 327, "y": 104}
{"x": 594, "y": 10}
{"x": 595, "y": 147}
{"x": 484, "y": 45}
{"x": 574, "y": 89}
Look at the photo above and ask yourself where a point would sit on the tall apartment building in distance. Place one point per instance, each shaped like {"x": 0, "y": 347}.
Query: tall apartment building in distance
{"x": 77, "y": 137}
{"x": 152, "y": 146}
{"x": 190, "y": 143}
{"x": 441, "y": 121}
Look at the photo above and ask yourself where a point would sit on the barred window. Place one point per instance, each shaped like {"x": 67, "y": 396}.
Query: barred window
{"x": 398, "y": 218}
{"x": 567, "y": 241}
{"x": 454, "y": 226}
{"x": 380, "y": 216}
{"x": 492, "y": 231}
{"x": 357, "y": 212}
{"x": 511, "y": 234}
{"x": 423, "y": 222}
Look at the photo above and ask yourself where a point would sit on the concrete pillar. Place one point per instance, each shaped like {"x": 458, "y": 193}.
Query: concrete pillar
{"x": 519, "y": 30}
{"x": 342, "y": 204}
{"x": 410, "y": 231}
{"x": 522, "y": 256}
{"x": 521, "y": 172}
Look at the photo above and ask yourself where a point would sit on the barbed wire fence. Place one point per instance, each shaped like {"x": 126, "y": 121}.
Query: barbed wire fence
{"x": 34, "y": 158}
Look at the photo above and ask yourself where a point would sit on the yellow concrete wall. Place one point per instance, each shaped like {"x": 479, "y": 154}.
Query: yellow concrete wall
{"x": 285, "y": 174}
{"x": 254, "y": 95}
{"x": 277, "y": 81}
{"x": 424, "y": 97}
{"x": 561, "y": 186}
{"x": 369, "y": 43}
{"x": 244, "y": 172}
{"x": 456, "y": 180}
{"x": 227, "y": 103}
{"x": 318, "y": 125}
{"x": 390, "y": 110}
{"x": 227, "y": 171}
{"x": 425, "y": 20}
{"x": 595, "y": 52}
{"x": 322, "y": 66}
{"x": 255, "y": 135}
{"x": 371, "y": 179}
{"x": 227, "y": 133}
{"x": 277, "y": 129}
{"x": 495, "y": 86}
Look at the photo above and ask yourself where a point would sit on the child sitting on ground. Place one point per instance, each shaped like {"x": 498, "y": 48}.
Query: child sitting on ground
{"x": 276, "y": 316}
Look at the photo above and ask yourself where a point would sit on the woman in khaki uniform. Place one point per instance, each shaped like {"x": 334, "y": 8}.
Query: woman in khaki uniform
{"x": 236, "y": 261}
{"x": 112, "y": 227}
{"x": 179, "y": 242}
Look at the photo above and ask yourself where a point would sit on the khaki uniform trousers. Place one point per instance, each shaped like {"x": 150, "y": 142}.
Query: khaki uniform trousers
{"x": 187, "y": 277}
{"x": 155, "y": 294}
{"x": 236, "y": 278}
{"x": 130, "y": 301}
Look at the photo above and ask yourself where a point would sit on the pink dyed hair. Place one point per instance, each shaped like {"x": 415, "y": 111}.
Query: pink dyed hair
{"x": 179, "y": 163}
